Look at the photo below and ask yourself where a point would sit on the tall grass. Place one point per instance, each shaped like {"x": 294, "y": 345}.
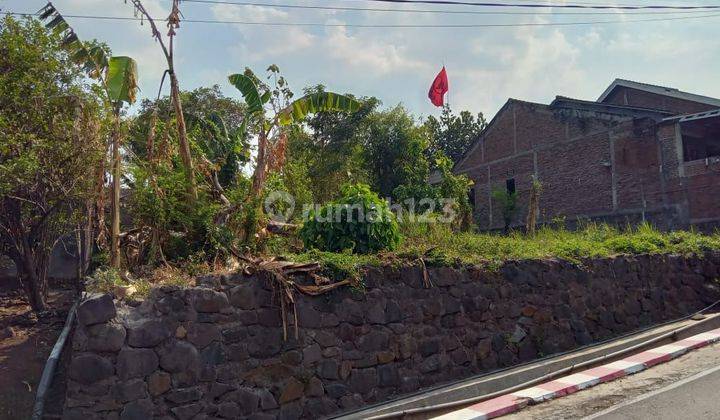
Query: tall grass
{"x": 591, "y": 240}
{"x": 437, "y": 244}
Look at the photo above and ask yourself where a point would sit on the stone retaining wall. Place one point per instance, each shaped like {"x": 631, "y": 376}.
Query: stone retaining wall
{"x": 217, "y": 350}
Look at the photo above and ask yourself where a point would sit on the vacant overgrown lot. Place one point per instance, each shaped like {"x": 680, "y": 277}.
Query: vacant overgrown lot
{"x": 436, "y": 244}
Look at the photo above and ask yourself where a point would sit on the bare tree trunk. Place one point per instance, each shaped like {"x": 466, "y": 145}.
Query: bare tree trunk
{"x": 251, "y": 225}
{"x": 78, "y": 255}
{"x": 182, "y": 135}
{"x": 173, "y": 23}
{"x": 33, "y": 278}
{"x": 260, "y": 173}
{"x": 115, "y": 228}
{"x": 84, "y": 244}
{"x": 87, "y": 238}
{"x": 99, "y": 204}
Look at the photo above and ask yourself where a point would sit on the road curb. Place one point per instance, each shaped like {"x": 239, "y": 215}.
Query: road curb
{"x": 515, "y": 401}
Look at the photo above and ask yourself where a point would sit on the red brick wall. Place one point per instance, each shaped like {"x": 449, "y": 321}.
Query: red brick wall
{"x": 579, "y": 157}
{"x": 637, "y": 168}
{"x": 568, "y": 167}
{"x": 576, "y": 177}
{"x": 498, "y": 141}
{"x": 704, "y": 196}
{"x": 536, "y": 126}
{"x": 642, "y": 99}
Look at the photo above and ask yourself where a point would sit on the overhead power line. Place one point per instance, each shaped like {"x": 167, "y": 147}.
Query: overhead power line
{"x": 437, "y": 11}
{"x": 560, "y": 6}
{"x": 388, "y": 26}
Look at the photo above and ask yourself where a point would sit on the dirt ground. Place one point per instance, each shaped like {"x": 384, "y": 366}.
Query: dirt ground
{"x": 26, "y": 340}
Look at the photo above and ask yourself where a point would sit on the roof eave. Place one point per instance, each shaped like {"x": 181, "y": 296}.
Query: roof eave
{"x": 671, "y": 92}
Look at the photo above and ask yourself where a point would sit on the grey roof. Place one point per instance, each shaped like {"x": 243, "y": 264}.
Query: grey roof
{"x": 623, "y": 110}
{"x": 660, "y": 90}
{"x": 697, "y": 116}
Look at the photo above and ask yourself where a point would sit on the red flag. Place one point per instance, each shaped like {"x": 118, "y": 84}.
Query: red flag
{"x": 439, "y": 88}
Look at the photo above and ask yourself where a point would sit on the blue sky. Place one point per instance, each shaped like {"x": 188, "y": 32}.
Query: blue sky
{"x": 485, "y": 65}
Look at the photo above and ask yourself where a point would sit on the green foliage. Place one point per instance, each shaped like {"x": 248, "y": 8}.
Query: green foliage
{"x": 215, "y": 127}
{"x": 592, "y": 241}
{"x": 295, "y": 111}
{"x": 314, "y": 103}
{"x": 455, "y": 188}
{"x": 105, "y": 279}
{"x": 246, "y": 85}
{"x": 506, "y": 202}
{"x": 223, "y": 149}
{"x": 121, "y": 79}
{"x": 643, "y": 240}
{"x": 118, "y": 74}
{"x": 339, "y": 265}
{"x": 439, "y": 245}
{"x": 395, "y": 152}
{"x": 52, "y": 130}
{"x": 158, "y": 200}
{"x": 332, "y": 150}
{"x": 293, "y": 180}
{"x": 453, "y": 134}
{"x": 359, "y": 221}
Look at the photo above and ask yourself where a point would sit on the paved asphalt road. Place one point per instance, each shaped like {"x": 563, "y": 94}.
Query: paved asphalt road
{"x": 696, "y": 397}
{"x": 686, "y": 388}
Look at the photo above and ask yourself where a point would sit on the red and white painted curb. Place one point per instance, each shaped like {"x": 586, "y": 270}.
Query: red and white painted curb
{"x": 510, "y": 403}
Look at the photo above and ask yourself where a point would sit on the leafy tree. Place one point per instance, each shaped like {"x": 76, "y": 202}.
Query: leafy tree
{"x": 173, "y": 23}
{"x": 270, "y": 110}
{"x": 359, "y": 221}
{"x": 394, "y": 149}
{"x": 331, "y": 150}
{"x": 455, "y": 188}
{"x": 118, "y": 79}
{"x": 202, "y": 107}
{"x": 52, "y": 127}
{"x": 217, "y": 135}
{"x": 452, "y": 134}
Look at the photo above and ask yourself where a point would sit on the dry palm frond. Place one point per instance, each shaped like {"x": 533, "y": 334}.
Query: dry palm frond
{"x": 276, "y": 159}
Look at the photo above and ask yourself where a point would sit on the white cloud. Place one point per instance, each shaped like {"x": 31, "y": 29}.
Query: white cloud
{"x": 258, "y": 43}
{"x": 658, "y": 45}
{"x": 485, "y": 66}
{"x": 373, "y": 57}
{"x": 532, "y": 64}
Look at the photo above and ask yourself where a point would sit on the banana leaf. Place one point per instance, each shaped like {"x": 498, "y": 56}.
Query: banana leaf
{"x": 121, "y": 79}
{"x": 249, "y": 91}
{"x": 317, "y": 102}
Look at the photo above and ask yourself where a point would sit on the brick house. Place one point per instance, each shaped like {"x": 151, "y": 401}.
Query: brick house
{"x": 640, "y": 152}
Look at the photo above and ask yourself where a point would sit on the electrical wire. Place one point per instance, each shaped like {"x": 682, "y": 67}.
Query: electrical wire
{"x": 390, "y": 26}
{"x": 546, "y": 5}
{"x": 432, "y": 11}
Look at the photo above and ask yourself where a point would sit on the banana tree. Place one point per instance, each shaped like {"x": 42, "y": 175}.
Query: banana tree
{"x": 270, "y": 111}
{"x": 270, "y": 133}
{"x": 118, "y": 78}
{"x": 173, "y": 23}
{"x": 223, "y": 150}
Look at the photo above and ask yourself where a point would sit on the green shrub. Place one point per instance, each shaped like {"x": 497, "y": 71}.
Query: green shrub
{"x": 506, "y": 201}
{"x": 643, "y": 240}
{"x": 359, "y": 221}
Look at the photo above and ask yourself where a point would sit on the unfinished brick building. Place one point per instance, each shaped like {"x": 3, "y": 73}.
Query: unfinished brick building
{"x": 640, "y": 152}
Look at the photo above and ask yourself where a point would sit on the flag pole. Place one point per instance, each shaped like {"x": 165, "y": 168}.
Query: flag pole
{"x": 447, "y": 102}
